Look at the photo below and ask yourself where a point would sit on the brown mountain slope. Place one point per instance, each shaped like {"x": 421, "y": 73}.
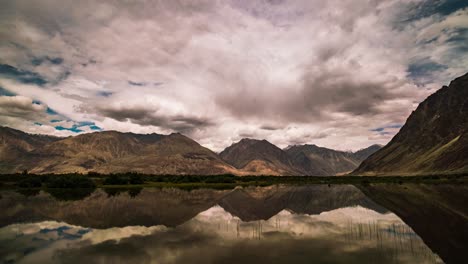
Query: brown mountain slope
{"x": 259, "y": 157}
{"x": 112, "y": 151}
{"x": 433, "y": 140}
{"x": 314, "y": 160}
{"x": 15, "y": 146}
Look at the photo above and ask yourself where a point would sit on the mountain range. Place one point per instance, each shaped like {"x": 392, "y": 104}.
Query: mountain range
{"x": 433, "y": 140}
{"x": 112, "y": 151}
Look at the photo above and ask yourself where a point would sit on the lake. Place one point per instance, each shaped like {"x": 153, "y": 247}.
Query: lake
{"x": 376, "y": 223}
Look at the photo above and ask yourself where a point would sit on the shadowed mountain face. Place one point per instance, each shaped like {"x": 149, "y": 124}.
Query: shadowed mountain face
{"x": 107, "y": 152}
{"x": 363, "y": 154}
{"x": 314, "y": 160}
{"x": 437, "y": 213}
{"x": 259, "y": 157}
{"x": 433, "y": 140}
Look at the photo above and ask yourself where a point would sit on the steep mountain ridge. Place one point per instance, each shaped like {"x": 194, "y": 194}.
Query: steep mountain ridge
{"x": 259, "y": 157}
{"x": 434, "y": 138}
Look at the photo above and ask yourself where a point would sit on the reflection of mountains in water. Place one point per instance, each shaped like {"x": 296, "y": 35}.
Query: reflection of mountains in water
{"x": 437, "y": 213}
{"x": 172, "y": 207}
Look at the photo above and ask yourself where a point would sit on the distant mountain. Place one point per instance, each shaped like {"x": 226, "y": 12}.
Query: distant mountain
{"x": 108, "y": 152}
{"x": 434, "y": 139}
{"x": 259, "y": 157}
{"x": 314, "y": 160}
{"x": 363, "y": 154}
{"x": 113, "y": 152}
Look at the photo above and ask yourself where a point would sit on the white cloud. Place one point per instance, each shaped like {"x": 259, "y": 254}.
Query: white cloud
{"x": 309, "y": 71}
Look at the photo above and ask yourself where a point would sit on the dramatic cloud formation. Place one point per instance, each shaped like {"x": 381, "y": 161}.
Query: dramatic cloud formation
{"x": 341, "y": 74}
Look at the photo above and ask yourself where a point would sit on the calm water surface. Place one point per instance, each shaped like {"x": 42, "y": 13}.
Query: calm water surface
{"x": 277, "y": 224}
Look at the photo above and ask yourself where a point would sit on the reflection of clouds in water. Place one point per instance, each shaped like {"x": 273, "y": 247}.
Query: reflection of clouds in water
{"x": 343, "y": 235}
{"x": 117, "y": 233}
{"x": 217, "y": 220}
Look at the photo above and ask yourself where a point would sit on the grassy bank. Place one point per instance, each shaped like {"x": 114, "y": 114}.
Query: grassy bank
{"x": 93, "y": 180}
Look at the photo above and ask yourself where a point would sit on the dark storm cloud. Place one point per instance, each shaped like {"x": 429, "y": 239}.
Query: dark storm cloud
{"x": 151, "y": 117}
{"x": 21, "y": 107}
{"x": 322, "y": 92}
{"x": 269, "y": 127}
{"x": 136, "y": 83}
{"x": 340, "y": 92}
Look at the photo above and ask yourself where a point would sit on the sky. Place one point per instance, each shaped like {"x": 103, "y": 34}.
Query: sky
{"x": 342, "y": 74}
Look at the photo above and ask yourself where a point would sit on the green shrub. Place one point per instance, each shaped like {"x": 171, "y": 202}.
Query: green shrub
{"x": 30, "y": 182}
{"x": 70, "y": 181}
{"x": 116, "y": 180}
{"x": 136, "y": 179}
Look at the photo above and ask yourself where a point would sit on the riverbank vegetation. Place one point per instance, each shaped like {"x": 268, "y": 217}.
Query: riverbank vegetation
{"x": 92, "y": 180}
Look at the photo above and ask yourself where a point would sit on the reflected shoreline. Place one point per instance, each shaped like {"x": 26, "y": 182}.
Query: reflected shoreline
{"x": 258, "y": 208}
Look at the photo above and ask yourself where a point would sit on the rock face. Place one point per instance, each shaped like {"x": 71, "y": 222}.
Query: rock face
{"x": 259, "y": 157}
{"x": 314, "y": 160}
{"x": 433, "y": 140}
{"x": 108, "y": 152}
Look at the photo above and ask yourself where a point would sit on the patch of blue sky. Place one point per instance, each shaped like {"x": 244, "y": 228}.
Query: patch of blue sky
{"x": 23, "y": 76}
{"x": 382, "y": 129}
{"x": 36, "y": 61}
{"x": 105, "y": 93}
{"x": 49, "y": 111}
{"x": 5, "y": 92}
{"x": 424, "y": 70}
{"x": 84, "y": 123}
{"x": 84, "y": 231}
{"x": 58, "y": 229}
{"x": 428, "y": 8}
{"x": 78, "y": 127}
{"x": 73, "y": 129}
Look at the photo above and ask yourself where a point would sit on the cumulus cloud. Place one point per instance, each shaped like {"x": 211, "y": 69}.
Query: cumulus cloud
{"x": 290, "y": 71}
